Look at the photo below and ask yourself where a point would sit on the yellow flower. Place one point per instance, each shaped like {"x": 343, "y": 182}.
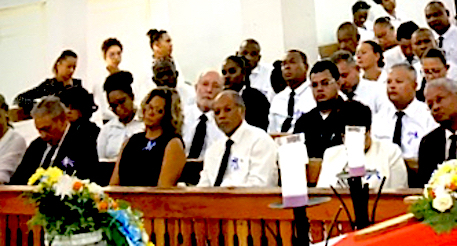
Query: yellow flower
{"x": 36, "y": 176}
{"x": 53, "y": 173}
{"x": 150, "y": 244}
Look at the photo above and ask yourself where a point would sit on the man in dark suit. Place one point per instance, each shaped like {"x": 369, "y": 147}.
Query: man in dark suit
{"x": 321, "y": 125}
{"x": 236, "y": 75}
{"x": 57, "y": 145}
{"x": 440, "y": 144}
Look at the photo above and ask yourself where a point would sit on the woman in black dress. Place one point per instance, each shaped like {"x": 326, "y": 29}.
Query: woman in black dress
{"x": 155, "y": 157}
{"x": 63, "y": 69}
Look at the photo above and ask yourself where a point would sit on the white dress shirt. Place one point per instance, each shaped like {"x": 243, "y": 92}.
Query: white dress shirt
{"x": 303, "y": 103}
{"x": 366, "y": 32}
{"x": 450, "y": 44}
{"x": 186, "y": 92}
{"x": 12, "y": 149}
{"x": 395, "y": 56}
{"x": 382, "y": 79}
{"x": 416, "y": 123}
{"x": 260, "y": 80}
{"x": 373, "y": 95}
{"x": 252, "y": 161}
{"x": 191, "y": 119}
{"x": 383, "y": 156}
{"x": 448, "y": 142}
{"x": 113, "y": 135}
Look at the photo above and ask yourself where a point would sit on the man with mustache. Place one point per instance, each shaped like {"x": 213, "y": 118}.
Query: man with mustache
{"x": 246, "y": 156}
{"x": 321, "y": 125}
{"x": 440, "y": 144}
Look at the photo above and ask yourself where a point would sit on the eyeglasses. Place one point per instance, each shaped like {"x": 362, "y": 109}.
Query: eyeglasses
{"x": 324, "y": 83}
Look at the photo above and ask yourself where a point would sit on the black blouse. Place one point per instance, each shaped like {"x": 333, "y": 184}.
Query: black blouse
{"x": 141, "y": 160}
{"x": 47, "y": 88}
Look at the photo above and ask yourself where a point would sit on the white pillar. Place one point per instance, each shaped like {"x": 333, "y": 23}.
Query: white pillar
{"x": 299, "y": 25}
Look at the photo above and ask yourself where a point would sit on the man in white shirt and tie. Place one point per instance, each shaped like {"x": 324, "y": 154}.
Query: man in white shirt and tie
{"x": 440, "y": 144}
{"x": 200, "y": 129}
{"x": 296, "y": 99}
{"x": 355, "y": 88}
{"x": 246, "y": 156}
{"x": 438, "y": 19}
{"x": 260, "y": 73}
{"x": 405, "y": 120}
{"x": 423, "y": 42}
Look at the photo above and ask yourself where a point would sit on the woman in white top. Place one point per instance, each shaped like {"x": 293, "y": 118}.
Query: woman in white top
{"x": 118, "y": 130}
{"x": 370, "y": 60}
{"x": 382, "y": 157}
{"x": 12, "y": 146}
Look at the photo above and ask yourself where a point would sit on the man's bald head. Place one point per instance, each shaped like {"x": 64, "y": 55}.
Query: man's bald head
{"x": 209, "y": 84}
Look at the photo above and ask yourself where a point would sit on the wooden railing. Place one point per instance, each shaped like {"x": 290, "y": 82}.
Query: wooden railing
{"x": 210, "y": 216}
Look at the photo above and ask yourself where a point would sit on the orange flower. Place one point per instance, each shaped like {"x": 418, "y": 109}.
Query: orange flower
{"x": 102, "y": 206}
{"x": 77, "y": 185}
{"x": 114, "y": 205}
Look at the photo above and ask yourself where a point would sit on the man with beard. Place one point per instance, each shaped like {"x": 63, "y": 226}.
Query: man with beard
{"x": 200, "y": 129}
{"x": 440, "y": 144}
{"x": 321, "y": 125}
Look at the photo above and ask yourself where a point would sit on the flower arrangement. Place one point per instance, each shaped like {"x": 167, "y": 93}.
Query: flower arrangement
{"x": 68, "y": 206}
{"x": 437, "y": 205}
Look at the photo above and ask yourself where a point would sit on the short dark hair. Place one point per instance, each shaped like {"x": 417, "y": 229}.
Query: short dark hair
{"x": 110, "y": 42}
{"x": 119, "y": 81}
{"x": 323, "y": 65}
{"x": 154, "y": 35}
{"x": 63, "y": 56}
{"x": 251, "y": 41}
{"x": 384, "y": 21}
{"x": 354, "y": 113}
{"x": 349, "y": 27}
{"x": 377, "y": 50}
{"x": 303, "y": 56}
{"x": 360, "y": 5}
{"x": 435, "y": 53}
{"x": 406, "y": 30}
{"x": 78, "y": 98}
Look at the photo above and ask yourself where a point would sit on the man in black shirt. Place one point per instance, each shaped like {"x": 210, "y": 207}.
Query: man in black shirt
{"x": 321, "y": 125}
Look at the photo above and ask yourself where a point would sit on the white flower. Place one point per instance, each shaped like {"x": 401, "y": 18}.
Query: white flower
{"x": 95, "y": 188}
{"x": 442, "y": 202}
{"x": 64, "y": 187}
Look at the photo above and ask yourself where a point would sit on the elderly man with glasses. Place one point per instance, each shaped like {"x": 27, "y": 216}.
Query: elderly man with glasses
{"x": 321, "y": 125}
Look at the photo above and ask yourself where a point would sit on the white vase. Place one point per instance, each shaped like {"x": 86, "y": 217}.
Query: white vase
{"x": 82, "y": 239}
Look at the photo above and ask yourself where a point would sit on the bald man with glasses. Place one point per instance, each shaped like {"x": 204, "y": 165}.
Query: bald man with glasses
{"x": 321, "y": 125}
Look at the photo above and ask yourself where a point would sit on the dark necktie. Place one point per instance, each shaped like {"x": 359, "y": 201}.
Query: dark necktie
{"x": 47, "y": 161}
{"x": 440, "y": 42}
{"x": 199, "y": 138}
{"x": 224, "y": 163}
{"x": 350, "y": 96}
{"x": 397, "y": 132}
{"x": 290, "y": 113}
{"x": 452, "y": 148}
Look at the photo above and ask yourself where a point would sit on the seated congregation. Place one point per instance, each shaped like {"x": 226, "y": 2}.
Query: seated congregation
{"x": 392, "y": 78}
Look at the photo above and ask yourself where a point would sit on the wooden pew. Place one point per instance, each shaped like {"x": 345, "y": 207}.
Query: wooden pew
{"x": 197, "y": 216}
